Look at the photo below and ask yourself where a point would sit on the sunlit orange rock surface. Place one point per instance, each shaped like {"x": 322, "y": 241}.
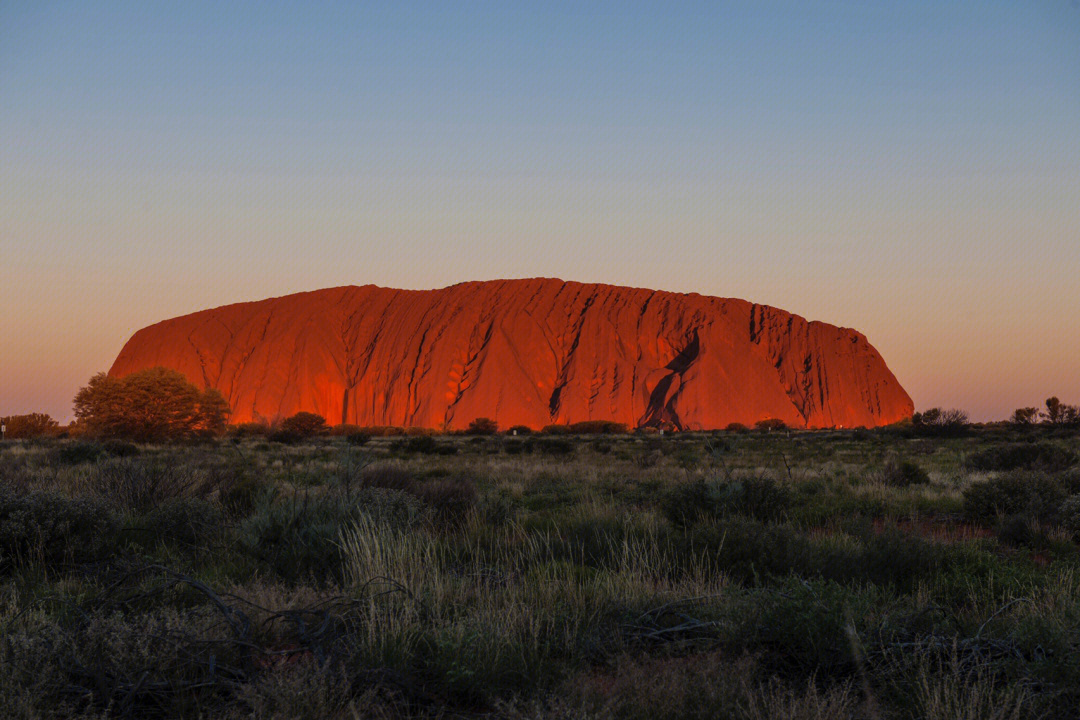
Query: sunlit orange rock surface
{"x": 529, "y": 352}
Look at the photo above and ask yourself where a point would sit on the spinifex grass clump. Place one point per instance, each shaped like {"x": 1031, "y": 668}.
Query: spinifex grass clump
{"x": 756, "y": 575}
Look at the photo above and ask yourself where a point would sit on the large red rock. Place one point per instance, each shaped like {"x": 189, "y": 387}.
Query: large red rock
{"x": 530, "y": 352}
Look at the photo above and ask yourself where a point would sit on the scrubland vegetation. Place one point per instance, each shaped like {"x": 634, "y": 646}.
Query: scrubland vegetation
{"x": 896, "y": 573}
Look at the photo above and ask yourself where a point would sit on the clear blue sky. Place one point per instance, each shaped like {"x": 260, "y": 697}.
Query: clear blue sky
{"x": 911, "y": 169}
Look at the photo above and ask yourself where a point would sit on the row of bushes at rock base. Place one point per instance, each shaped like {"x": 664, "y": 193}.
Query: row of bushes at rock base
{"x": 306, "y": 425}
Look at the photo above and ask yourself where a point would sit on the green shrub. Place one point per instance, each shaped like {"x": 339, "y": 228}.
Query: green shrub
{"x": 1035, "y": 495}
{"x": 238, "y": 494}
{"x": 903, "y": 473}
{"x": 1069, "y": 515}
{"x": 141, "y": 486}
{"x": 757, "y": 497}
{"x": 1030, "y": 456}
{"x": 51, "y": 528}
{"x": 187, "y": 520}
{"x": 297, "y": 537}
{"x": 447, "y": 497}
{"x": 761, "y": 498}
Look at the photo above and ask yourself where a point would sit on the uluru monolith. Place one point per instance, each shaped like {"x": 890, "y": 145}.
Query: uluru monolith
{"x": 525, "y": 352}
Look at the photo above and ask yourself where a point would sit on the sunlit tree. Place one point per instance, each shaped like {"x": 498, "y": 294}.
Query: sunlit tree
{"x": 30, "y": 426}
{"x": 152, "y": 404}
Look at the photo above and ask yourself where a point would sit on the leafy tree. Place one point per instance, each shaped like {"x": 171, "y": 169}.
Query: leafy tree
{"x": 29, "y": 426}
{"x": 1054, "y": 412}
{"x": 1058, "y": 413}
{"x": 1025, "y": 416}
{"x": 482, "y": 426}
{"x": 304, "y": 424}
{"x": 214, "y": 412}
{"x": 936, "y": 421}
{"x": 150, "y": 405}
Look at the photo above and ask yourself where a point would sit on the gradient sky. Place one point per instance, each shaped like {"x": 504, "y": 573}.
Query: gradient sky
{"x": 910, "y": 169}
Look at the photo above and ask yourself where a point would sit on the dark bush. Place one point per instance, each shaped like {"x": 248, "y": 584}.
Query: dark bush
{"x": 737, "y": 428}
{"x": 757, "y": 497}
{"x": 238, "y": 494}
{"x": 936, "y": 422}
{"x": 597, "y": 427}
{"x": 425, "y": 444}
{"x": 447, "y": 497}
{"x": 1069, "y": 515}
{"x": 760, "y": 498}
{"x": 304, "y": 424}
{"x": 251, "y": 429}
{"x": 771, "y": 425}
{"x": 142, "y": 486}
{"x": 120, "y": 448}
{"x": 297, "y": 537}
{"x": 52, "y": 528}
{"x": 902, "y": 473}
{"x": 383, "y": 430}
{"x": 1017, "y": 531}
{"x": 517, "y": 447}
{"x": 555, "y": 430}
{"x": 482, "y": 426}
{"x": 1030, "y": 456}
{"x": 648, "y": 457}
{"x": 555, "y": 446}
{"x": 388, "y": 477}
{"x": 285, "y": 437}
{"x": 519, "y": 430}
{"x": 1035, "y": 495}
{"x": 79, "y": 452}
{"x": 357, "y": 438}
{"x": 188, "y": 520}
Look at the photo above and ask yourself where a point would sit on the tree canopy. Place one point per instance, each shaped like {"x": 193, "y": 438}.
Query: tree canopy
{"x": 150, "y": 405}
{"x": 29, "y": 426}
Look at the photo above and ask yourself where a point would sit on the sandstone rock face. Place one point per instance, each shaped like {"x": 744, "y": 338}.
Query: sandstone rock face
{"x": 529, "y": 352}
